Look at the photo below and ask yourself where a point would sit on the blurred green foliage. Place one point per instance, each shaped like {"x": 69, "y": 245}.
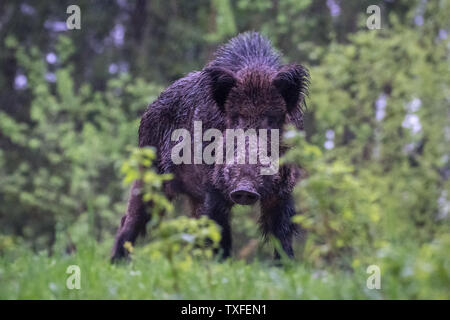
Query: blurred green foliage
{"x": 379, "y": 181}
{"x": 178, "y": 239}
{"x": 138, "y": 167}
{"x": 375, "y": 149}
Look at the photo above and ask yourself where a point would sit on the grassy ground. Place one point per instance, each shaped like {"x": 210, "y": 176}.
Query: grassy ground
{"x": 24, "y": 275}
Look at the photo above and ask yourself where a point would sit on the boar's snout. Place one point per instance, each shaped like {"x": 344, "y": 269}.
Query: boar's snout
{"x": 244, "y": 196}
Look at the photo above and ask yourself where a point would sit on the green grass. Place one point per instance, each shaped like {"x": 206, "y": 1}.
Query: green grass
{"x": 24, "y": 275}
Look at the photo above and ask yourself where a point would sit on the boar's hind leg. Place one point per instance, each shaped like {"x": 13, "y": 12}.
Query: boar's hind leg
{"x": 131, "y": 224}
{"x": 276, "y": 217}
{"x": 218, "y": 209}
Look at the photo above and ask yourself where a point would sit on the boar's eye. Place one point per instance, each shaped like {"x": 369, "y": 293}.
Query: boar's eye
{"x": 274, "y": 118}
{"x": 234, "y": 117}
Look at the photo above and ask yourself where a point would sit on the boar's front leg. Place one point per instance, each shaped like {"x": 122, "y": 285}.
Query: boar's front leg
{"x": 217, "y": 208}
{"x": 276, "y": 215}
{"x": 131, "y": 224}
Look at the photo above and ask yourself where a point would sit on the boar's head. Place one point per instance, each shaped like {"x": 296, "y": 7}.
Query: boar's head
{"x": 255, "y": 98}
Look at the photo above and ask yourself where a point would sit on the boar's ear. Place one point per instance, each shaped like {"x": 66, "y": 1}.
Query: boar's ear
{"x": 221, "y": 83}
{"x": 292, "y": 83}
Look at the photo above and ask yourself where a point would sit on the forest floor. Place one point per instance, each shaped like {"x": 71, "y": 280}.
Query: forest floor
{"x": 26, "y": 275}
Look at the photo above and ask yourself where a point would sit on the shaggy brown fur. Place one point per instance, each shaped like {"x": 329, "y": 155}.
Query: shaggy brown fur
{"x": 245, "y": 86}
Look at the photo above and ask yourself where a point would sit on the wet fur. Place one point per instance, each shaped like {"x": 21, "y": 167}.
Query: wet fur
{"x": 244, "y": 86}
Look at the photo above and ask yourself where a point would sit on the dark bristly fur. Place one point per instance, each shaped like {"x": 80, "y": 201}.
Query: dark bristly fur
{"x": 244, "y": 86}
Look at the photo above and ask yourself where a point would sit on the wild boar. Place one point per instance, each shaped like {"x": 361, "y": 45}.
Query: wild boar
{"x": 244, "y": 88}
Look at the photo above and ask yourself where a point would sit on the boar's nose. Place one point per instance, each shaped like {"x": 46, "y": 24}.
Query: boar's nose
{"x": 244, "y": 196}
